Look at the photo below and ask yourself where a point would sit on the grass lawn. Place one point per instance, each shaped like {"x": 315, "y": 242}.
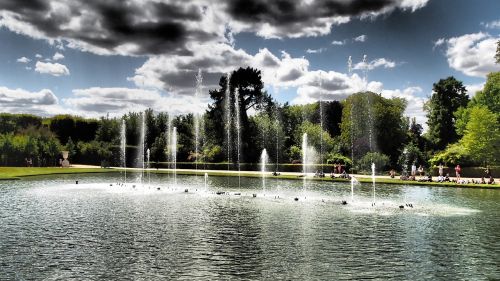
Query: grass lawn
{"x": 9, "y": 173}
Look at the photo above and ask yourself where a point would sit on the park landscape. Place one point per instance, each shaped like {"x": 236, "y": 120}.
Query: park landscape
{"x": 225, "y": 178}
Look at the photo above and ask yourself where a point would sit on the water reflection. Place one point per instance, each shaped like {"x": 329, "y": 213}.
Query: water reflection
{"x": 52, "y": 229}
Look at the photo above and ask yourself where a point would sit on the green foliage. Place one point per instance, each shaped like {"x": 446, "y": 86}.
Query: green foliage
{"x": 389, "y": 127}
{"x": 490, "y": 95}
{"x": 381, "y": 161}
{"x": 76, "y": 128}
{"x": 295, "y": 153}
{"x": 411, "y": 154}
{"x": 314, "y": 136}
{"x": 12, "y": 123}
{"x": 462, "y": 116}
{"x": 482, "y": 136}
{"x": 213, "y": 153}
{"x": 108, "y": 131}
{"x": 250, "y": 87}
{"x": 337, "y": 158}
{"x": 453, "y": 154}
{"x": 497, "y": 55}
{"x": 37, "y": 144}
{"x": 448, "y": 96}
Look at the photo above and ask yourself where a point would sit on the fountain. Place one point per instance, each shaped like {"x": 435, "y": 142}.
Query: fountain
{"x": 373, "y": 182}
{"x": 238, "y": 132}
{"x": 141, "y": 145}
{"x": 321, "y": 121}
{"x": 197, "y": 117}
{"x": 147, "y": 167}
{"x": 228, "y": 119}
{"x": 169, "y": 143}
{"x": 349, "y": 68}
{"x": 206, "y": 182}
{"x": 304, "y": 160}
{"x": 174, "y": 153}
{"x": 123, "y": 150}
{"x": 263, "y": 162}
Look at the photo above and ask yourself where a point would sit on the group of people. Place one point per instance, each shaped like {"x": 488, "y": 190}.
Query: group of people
{"x": 442, "y": 177}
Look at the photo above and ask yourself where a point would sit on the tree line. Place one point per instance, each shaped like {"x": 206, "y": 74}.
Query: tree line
{"x": 359, "y": 130}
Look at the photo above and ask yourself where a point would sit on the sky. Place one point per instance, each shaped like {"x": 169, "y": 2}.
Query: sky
{"x": 97, "y": 57}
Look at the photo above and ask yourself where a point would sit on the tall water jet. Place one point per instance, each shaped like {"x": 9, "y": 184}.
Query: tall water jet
{"x": 349, "y": 69}
{"x": 169, "y": 143}
{"x": 238, "y": 132}
{"x": 123, "y": 150}
{"x": 321, "y": 122}
{"x": 228, "y": 118}
{"x": 147, "y": 167}
{"x": 141, "y": 145}
{"x": 263, "y": 162}
{"x": 197, "y": 118}
{"x": 206, "y": 181}
{"x": 304, "y": 160}
{"x": 373, "y": 182}
{"x": 174, "y": 153}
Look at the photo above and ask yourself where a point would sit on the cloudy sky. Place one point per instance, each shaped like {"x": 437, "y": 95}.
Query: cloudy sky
{"x": 93, "y": 57}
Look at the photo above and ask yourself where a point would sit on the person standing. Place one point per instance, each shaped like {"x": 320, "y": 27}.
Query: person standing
{"x": 441, "y": 170}
{"x": 421, "y": 170}
{"x": 413, "y": 170}
{"x": 458, "y": 172}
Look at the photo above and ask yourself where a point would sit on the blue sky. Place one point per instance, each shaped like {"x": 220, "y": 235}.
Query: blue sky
{"x": 90, "y": 59}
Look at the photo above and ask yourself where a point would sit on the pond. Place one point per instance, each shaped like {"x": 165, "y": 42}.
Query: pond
{"x": 54, "y": 229}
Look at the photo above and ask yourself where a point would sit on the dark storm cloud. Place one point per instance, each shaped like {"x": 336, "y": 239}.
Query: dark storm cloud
{"x": 285, "y": 12}
{"x": 154, "y": 28}
{"x": 145, "y": 27}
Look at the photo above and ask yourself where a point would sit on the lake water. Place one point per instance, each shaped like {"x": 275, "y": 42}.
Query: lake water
{"x": 53, "y": 229}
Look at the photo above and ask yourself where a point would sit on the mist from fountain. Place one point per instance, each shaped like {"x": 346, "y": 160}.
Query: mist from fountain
{"x": 263, "y": 163}
{"x": 349, "y": 69}
{"x": 304, "y": 160}
{"x": 206, "y": 182}
{"x": 228, "y": 119}
{"x": 197, "y": 118}
{"x": 141, "y": 146}
{"x": 238, "y": 132}
{"x": 373, "y": 182}
{"x": 169, "y": 143}
{"x": 321, "y": 122}
{"x": 147, "y": 167}
{"x": 123, "y": 150}
{"x": 174, "y": 153}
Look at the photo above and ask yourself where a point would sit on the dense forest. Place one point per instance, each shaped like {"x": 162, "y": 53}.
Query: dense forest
{"x": 359, "y": 130}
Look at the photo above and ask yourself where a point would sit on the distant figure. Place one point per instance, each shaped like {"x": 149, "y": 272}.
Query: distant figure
{"x": 483, "y": 181}
{"x": 491, "y": 181}
{"x": 488, "y": 172}
{"x": 392, "y": 173}
{"x": 413, "y": 170}
{"x": 421, "y": 170}
{"x": 441, "y": 170}
{"x": 458, "y": 172}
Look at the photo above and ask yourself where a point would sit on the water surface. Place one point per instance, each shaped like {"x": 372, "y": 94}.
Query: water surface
{"x": 53, "y": 229}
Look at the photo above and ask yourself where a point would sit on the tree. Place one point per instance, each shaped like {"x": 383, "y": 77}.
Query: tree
{"x": 490, "y": 95}
{"x": 497, "y": 56}
{"x": 448, "y": 95}
{"x": 482, "y": 136}
{"x": 249, "y": 83}
{"x": 388, "y": 126}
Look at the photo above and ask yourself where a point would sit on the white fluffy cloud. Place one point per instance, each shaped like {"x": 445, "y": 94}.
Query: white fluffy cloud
{"x": 54, "y": 69}
{"x": 43, "y": 102}
{"x": 98, "y": 101}
{"x": 380, "y": 62}
{"x": 58, "y": 56}
{"x": 492, "y": 24}
{"x": 338, "y": 43}
{"x": 360, "y": 38}
{"x": 23, "y": 60}
{"x": 472, "y": 54}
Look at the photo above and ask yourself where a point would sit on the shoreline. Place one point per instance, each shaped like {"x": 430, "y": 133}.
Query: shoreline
{"x": 18, "y": 173}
